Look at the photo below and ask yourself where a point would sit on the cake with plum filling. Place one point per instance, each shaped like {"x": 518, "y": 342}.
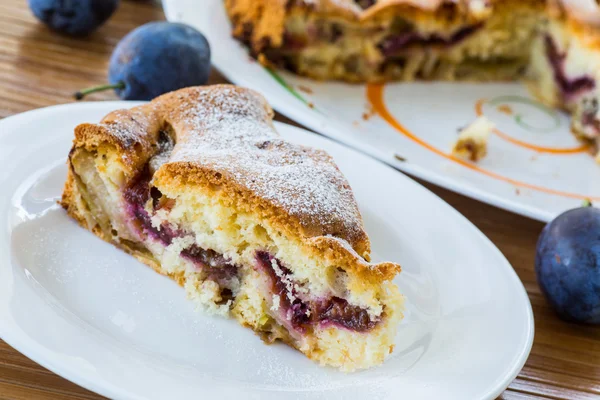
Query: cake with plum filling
{"x": 198, "y": 185}
{"x": 554, "y": 44}
{"x": 383, "y": 40}
{"x": 565, "y": 67}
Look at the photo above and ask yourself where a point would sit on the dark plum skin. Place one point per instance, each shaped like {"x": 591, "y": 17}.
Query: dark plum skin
{"x": 157, "y": 58}
{"x": 73, "y": 17}
{"x": 567, "y": 264}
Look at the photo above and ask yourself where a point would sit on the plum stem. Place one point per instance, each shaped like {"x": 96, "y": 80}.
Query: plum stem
{"x": 587, "y": 203}
{"x": 100, "y": 88}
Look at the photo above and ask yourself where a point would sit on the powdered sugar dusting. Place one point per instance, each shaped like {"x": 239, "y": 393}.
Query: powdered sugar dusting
{"x": 124, "y": 133}
{"x": 229, "y": 130}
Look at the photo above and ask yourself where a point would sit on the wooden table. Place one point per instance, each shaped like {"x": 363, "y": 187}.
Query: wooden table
{"x": 39, "y": 68}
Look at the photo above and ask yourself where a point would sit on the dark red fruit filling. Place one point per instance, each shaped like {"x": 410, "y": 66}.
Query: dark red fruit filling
{"x": 570, "y": 87}
{"x": 398, "y": 42}
{"x": 303, "y": 314}
{"x": 297, "y": 308}
{"x": 137, "y": 194}
{"x": 338, "y": 311}
{"x": 217, "y": 267}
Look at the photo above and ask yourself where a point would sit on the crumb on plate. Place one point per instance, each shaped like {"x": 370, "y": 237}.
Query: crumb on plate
{"x": 472, "y": 140}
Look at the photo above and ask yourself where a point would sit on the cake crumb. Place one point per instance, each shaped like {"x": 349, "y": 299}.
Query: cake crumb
{"x": 472, "y": 140}
{"x": 305, "y": 89}
{"x": 399, "y": 157}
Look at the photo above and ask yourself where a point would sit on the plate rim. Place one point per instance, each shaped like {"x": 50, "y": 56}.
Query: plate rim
{"x": 294, "y": 110}
{"x": 9, "y": 331}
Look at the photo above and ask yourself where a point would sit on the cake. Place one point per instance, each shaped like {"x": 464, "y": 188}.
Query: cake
{"x": 198, "y": 185}
{"x": 552, "y": 44}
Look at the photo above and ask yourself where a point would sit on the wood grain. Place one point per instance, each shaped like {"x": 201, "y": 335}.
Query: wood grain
{"x": 39, "y": 68}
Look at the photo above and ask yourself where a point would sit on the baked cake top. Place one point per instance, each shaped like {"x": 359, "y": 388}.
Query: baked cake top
{"x": 223, "y": 135}
{"x": 228, "y": 131}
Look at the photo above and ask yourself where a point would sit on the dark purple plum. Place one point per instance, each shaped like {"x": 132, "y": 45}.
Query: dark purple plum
{"x": 73, "y": 17}
{"x": 157, "y": 58}
{"x": 567, "y": 264}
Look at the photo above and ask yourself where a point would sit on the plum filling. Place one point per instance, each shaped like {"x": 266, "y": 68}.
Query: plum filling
{"x": 402, "y": 38}
{"x": 136, "y": 195}
{"x": 397, "y": 42}
{"x": 338, "y": 311}
{"x": 297, "y": 311}
{"x": 216, "y": 267}
{"x": 302, "y": 313}
{"x": 570, "y": 87}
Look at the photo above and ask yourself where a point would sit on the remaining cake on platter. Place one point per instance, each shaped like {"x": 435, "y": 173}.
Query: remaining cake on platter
{"x": 198, "y": 185}
{"x": 553, "y": 44}
{"x": 565, "y": 68}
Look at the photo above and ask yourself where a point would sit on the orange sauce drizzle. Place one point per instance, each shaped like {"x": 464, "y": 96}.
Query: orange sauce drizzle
{"x": 376, "y": 99}
{"x": 541, "y": 149}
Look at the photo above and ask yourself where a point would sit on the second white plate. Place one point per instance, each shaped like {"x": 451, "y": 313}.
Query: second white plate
{"x": 535, "y": 166}
{"x": 96, "y": 316}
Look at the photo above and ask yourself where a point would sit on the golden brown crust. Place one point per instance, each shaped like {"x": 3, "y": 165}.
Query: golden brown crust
{"x": 259, "y": 21}
{"x": 324, "y": 222}
{"x": 131, "y": 131}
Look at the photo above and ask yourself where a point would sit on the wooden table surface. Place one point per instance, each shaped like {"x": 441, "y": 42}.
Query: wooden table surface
{"x": 39, "y": 68}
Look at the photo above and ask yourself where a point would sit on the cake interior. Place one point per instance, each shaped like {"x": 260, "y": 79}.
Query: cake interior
{"x": 407, "y": 44}
{"x": 232, "y": 263}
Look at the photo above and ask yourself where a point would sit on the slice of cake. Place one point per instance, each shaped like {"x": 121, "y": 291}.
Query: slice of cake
{"x": 198, "y": 185}
{"x": 384, "y": 40}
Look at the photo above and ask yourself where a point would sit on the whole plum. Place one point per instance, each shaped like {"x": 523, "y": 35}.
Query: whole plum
{"x": 567, "y": 264}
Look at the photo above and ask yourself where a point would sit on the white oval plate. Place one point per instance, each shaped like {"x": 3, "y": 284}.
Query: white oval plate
{"x": 535, "y": 167}
{"x": 96, "y": 316}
